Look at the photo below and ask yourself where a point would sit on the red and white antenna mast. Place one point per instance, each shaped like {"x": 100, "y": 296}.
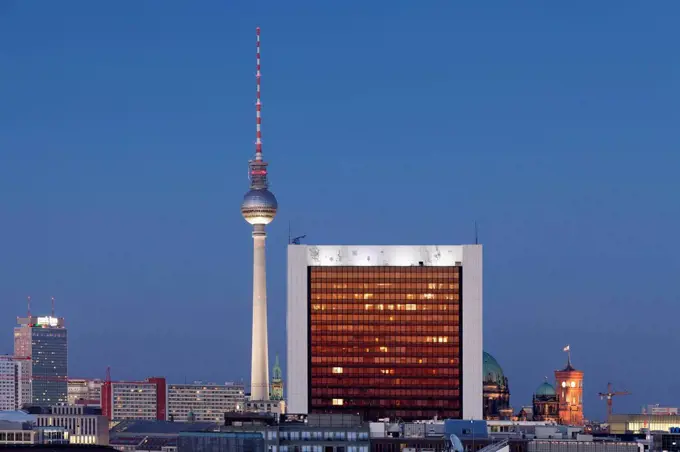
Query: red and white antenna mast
{"x": 258, "y": 104}
{"x": 257, "y": 170}
{"x": 29, "y": 306}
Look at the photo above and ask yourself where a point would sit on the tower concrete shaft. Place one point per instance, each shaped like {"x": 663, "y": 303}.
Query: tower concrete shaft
{"x": 259, "y": 371}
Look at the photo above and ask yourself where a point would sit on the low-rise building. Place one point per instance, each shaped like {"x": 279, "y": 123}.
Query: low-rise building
{"x": 227, "y": 441}
{"x": 146, "y": 435}
{"x": 204, "y": 402}
{"x": 18, "y": 428}
{"x": 84, "y": 424}
{"x": 313, "y": 432}
{"x": 636, "y": 423}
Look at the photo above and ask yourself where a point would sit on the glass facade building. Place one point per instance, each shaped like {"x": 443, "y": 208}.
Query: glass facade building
{"x": 385, "y": 341}
{"x": 44, "y": 340}
{"x": 219, "y": 441}
{"x": 385, "y": 331}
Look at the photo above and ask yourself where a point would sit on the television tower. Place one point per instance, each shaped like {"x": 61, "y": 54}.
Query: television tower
{"x": 259, "y": 209}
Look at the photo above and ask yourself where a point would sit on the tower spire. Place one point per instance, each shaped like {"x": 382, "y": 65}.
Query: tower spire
{"x": 28, "y": 299}
{"x": 258, "y": 102}
{"x": 52, "y": 306}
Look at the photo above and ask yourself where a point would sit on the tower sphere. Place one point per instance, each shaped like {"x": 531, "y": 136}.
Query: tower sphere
{"x": 259, "y": 206}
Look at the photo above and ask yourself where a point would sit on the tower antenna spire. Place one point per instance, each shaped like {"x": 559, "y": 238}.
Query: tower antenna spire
{"x": 28, "y": 299}
{"x": 258, "y": 103}
{"x": 52, "y": 306}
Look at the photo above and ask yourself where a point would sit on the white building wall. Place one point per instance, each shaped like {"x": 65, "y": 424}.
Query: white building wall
{"x": 15, "y": 382}
{"x": 297, "y": 330}
{"x": 9, "y": 384}
{"x": 472, "y": 332}
{"x": 302, "y": 256}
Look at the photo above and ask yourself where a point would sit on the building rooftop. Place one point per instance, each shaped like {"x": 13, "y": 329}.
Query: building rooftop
{"x": 140, "y": 427}
{"x": 16, "y": 416}
{"x": 41, "y": 322}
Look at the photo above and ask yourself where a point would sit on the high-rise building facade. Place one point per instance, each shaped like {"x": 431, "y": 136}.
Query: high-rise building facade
{"x": 259, "y": 208}
{"x": 44, "y": 340}
{"x": 84, "y": 391}
{"x": 15, "y": 383}
{"x": 207, "y": 402}
{"x": 385, "y": 331}
{"x": 140, "y": 400}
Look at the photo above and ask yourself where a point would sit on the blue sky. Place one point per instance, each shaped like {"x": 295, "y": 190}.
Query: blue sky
{"x": 125, "y": 130}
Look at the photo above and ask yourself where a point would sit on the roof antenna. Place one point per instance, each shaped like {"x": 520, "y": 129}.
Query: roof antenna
{"x": 52, "y": 306}
{"x": 258, "y": 104}
{"x": 476, "y": 234}
{"x": 29, "y": 307}
{"x": 294, "y": 240}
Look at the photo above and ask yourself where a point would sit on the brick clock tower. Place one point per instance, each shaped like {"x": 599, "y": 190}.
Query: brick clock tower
{"x": 570, "y": 390}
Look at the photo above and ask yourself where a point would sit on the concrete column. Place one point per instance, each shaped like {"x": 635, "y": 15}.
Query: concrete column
{"x": 259, "y": 372}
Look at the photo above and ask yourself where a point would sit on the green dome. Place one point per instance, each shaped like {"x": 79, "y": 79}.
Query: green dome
{"x": 493, "y": 373}
{"x": 546, "y": 389}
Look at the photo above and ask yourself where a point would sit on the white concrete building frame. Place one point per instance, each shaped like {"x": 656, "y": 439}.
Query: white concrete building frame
{"x": 300, "y": 257}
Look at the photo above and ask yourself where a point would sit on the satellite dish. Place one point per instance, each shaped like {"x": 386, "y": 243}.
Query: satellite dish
{"x": 456, "y": 444}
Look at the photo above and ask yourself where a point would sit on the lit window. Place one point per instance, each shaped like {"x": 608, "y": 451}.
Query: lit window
{"x": 337, "y": 370}
{"x": 410, "y": 307}
{"x": 573, "y": 384}
{"x": 383, "y": 348}
{"x": 338, "y": 402}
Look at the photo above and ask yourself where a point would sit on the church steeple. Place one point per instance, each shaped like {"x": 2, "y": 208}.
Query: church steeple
{"x": 277, "y": 381}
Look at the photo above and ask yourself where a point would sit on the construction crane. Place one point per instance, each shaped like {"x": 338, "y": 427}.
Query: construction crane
{"x": 609, "y": 395}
